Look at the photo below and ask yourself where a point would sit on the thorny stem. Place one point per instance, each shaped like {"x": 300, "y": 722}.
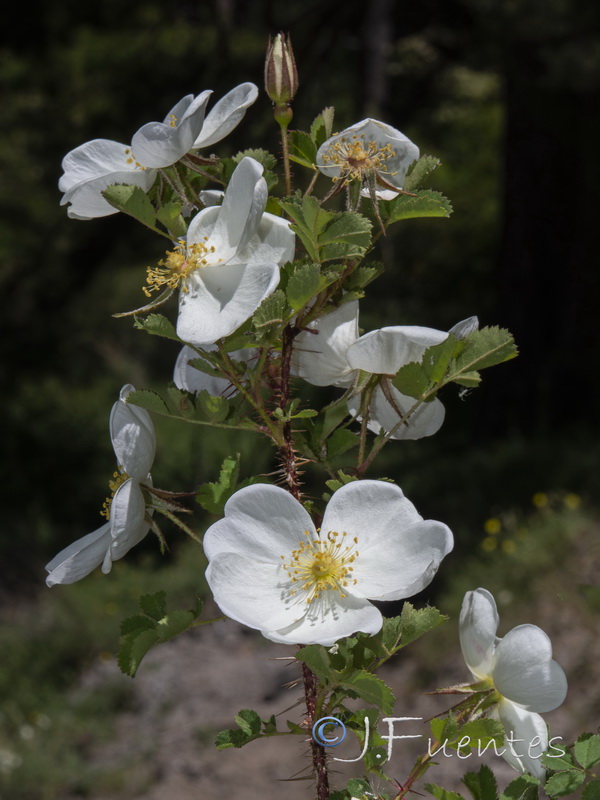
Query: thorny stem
{"x": 319, "y": 757}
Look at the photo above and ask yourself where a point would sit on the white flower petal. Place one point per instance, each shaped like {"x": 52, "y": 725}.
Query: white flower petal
{"x": 425, "y": 421}
{"x": 262, "y": 522}
{"x": 249, "y": 591}
{"x": 241, "y": 210}
{"x": 160, "y": 144}
{"x": 79, "y": 558}
{"x": 127, "y": 519}
{"x": 528, "y": 735}
{"x": 216, "y": 300}
{"x": 133, "y": 436}
{"x": 93, "y": 160}
{"x": 226, "y": 114}
{"x": 273, "y": 241}
{"x": 524, "y": 671}
{"x": 187, "y": 377}
{"x": 319, "y": 354}
{"x": 477, "y": 627}
{"x": 385, "y": 351}
{"x": 328, "y": 619}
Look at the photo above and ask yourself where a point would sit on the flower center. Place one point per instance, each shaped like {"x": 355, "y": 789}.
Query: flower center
{"x": 118, "y": 479}
{"x": 357, "y": 158}
{"x": 177, "y": 265}
{"x": 320, "y": 564}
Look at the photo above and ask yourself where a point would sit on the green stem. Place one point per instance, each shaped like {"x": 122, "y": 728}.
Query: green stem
{"x": 287, "y": 172}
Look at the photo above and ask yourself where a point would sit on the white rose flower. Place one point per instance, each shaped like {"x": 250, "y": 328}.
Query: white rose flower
{"x": 371, "y": 152}
{"x": 134, "y": 443}
{"x": 520, "y": 668}
{"x": 230, "y": 261}
{"x": 330, "y": 353}
{"x": 95, "y": 165}
{"x": 270, "y": 569}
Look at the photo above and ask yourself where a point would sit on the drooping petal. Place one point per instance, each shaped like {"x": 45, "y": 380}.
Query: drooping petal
{"x": 329, "y": 618}
{"x": 133, "y": 436}
{"x": 127, "y": 520}
{"x": 160, "y": 144}
{"x": 240, "y": 212}
{"x": 477, "y": 629}
{"x": 385, "y": 351}
{"x": 426, "y": 420}
{"x": 216, "y": 300}
{"x": 526, "y": 738}
{"x": 464, "y": 327}
{"x": 92, "y": 160}
{"x": 249, "y": 591}
{"x": 525, "y": 672}
{"x": 272, "y": 241}
{"x": 319, "y": 354}
{"x": 79, "y": 558}
{"x": 226, "y": 114}
{"x": 261, "y": 522}
{"x": 85, "y": 198}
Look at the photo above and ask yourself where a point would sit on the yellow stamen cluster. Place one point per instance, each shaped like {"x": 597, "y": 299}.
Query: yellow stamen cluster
{"x": 118, "y": 479}
{"x": 131, "y": 159}
{"x": 357, "y": 159}
{"x": 317, "y": 565}
{"x": 177, "y": 265}
{"x": 172, "y": 120}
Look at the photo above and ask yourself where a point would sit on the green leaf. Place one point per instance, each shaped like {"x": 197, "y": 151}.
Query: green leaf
{"x": 412, "y": 380}
{"x": 268, "y": 161}
{"x": 271, "y": 312}
{"x": 347, "y": 235}
{"x": 482, "y": 784}
{"x": 419, "y": 171}
{"x": 249, "y": 721}
{"x": 173, "y": 624}
{"x": 317, "y": 660}
{"x": 151, "y": 401}
{"x": 154, "y": 605}
{"x": 371, "y": 689}
{"x": 133, "y": 201}
{"x": 303, "y": 285}
{"x": 482, "y": 732}
{"x": 427, "y": 203}
{"x": 182, "y": 401}
{"x": 340, "y": 442}
{"x": 250, "y": 727}
{"x": 133, "y": 648}
{"x": 213, "y": 496}
{"x": 524, "y": 787}
{"x": 417, "y": 622}
{"x": 309, "y": 219}
{"x": 321, "y": 127}
{"x": 170, "y": 216}
{"x": 564, "y": 782}
{"x": 442, "y": 794}
{"x": 555, "y": 763}
{"x": 157, "y": 325}
{"x": 587, "y": 750}
{"x": 485, "y": 348}
{"x": 591, "y": 791}
{"x": 302, "y": 148}
{"x": 363, "y": 276}
{"x": 444, "y": 730}
{"x": 214, "y": 407}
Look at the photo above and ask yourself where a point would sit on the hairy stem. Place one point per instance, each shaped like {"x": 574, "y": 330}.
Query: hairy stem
{"x": 319, "y": 757}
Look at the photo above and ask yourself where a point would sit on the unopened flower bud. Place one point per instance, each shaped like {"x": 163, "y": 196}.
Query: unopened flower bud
{"x": 281, "y": 76}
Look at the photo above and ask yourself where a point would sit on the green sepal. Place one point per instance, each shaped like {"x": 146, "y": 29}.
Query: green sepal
{"x": 154, "y": 626}
{"x": 131, "y": 200}
{"x": 482, "y": 784}
{"x": 157, "y": 325}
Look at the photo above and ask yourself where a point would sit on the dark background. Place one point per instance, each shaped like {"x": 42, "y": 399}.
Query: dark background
{"x": 504, "y": 93}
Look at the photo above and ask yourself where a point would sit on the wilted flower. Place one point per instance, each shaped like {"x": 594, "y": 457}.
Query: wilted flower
{"x": 520, "y": 668}
{"x": 270, "y": 569}
{"x": 330, "y": 352}
{"x": 134, "y": 443}
{"x": 90, "y": 168}
{"x": 371, "y": 152}
{"x": 230, "y": 261}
